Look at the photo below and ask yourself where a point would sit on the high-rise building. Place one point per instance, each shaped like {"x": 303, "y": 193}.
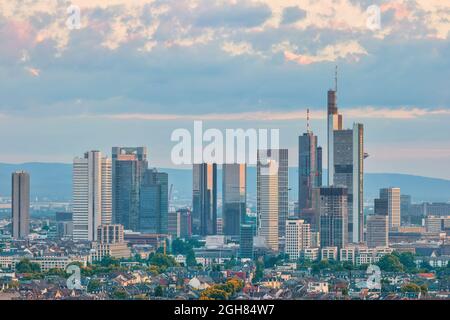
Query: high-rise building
{"x": 346, "y": 164}
{"x": 283, "y": 191}
{"x": 128, "y": 168}
{"x": 377, "y": 231}
{"x": 272, "y": 195}
{"x": 309, "y": 169}
{"x": 154, "y": 202}
{"x": 179, "y": 223}
{"x": 246, "y": 241}
{"x": 348, "y": 172}
{"x": 204, "y": 199}
{"x": 20, "y": 204}
{"x": 334, "y": 122}
{"x": 91, "y": 195}
{"x": 389, "y": 204}
{"x": 234, "y": 198}
{"x": 298, "y": 238}
{"x": 405, "y": 207}
{"x": 333, "y": 217}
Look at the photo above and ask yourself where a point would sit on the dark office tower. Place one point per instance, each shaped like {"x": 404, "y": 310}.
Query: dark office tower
{"x": 283, "y": 191}
{"x": 348, "y": 172}
{"x": 309, "y": 168}
{"x": 234, "y": 198}
{"x": 333, "y": 217}
{"x": 319, "y": 166}
{"x": 204, "y": 199}
{"x": 153, "y": 202}
{"x": 405, "y": 206}
{"x": 128, "y": 168}
{"x": 20, "y": 204}
{"x": 246, "y": 241}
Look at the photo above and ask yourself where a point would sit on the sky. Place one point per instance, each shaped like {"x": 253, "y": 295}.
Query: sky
{"x": 136, "y": 70}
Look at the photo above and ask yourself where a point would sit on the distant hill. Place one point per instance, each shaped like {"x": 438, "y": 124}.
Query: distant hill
{"x": 54, "y": 181}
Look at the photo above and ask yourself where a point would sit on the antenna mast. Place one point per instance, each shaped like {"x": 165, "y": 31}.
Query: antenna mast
{"x": 336, "y": 79}
{"x": 307, "y": 121}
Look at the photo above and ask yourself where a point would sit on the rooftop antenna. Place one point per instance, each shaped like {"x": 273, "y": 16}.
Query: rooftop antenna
{"x": 336, "y": 79}
{"x": 307, "y": 121}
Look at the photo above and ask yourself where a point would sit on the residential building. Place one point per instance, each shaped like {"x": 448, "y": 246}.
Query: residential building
{"x": 298, "y": 238}
{"x": 377, "y": 231}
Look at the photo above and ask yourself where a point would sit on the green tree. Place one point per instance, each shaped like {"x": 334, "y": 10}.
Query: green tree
{"x": 119, "y": 294}
{"x": 162, "y": 261}
{"x": 94, "y": 285}
{"x": 190, "y": 259}
{"x": 159, "y": 291}
{"x": 411, "y": 287}
{"x": 259, "y": 272}
{"x": 390, "y": 263}
{"x": 26, "y": 266}
{"x": 407, "y": 260}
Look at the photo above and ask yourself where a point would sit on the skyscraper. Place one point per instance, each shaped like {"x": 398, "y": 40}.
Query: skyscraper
{"x": 234, "y": 196}
{"x": 348, "y": 172}
{"x": 20, "y": 204}
{"x": 298, "y": 237}
{"x": 389, "y": 204}
{"x": 333, "y": 217}
{"x": 334, "y": 122}
{"x": 283, "y": 191}
{"x": 377, "y": 231}
{"x": 204, "y": 199}
{"x": 91, "y": 195}
{"x": 272, "y": 195}
{"x": 153, "y": 202}
{"x": 309, "y": 168}
{"x": 346, "y": 164}
{"x": 128, "y": 168}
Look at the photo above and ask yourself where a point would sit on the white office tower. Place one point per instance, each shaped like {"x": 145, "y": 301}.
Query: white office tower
{"x": 298, "y": 238}
{"x": 268, "y": 197}
{"x": 92, "y": 205}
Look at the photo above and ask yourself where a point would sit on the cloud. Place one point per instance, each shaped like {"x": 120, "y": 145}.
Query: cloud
{"x": 350, "y": 50}
{"x": 292, "y": 14}
{"x": 403, "y": 113}
{"x": 33, "y": 71}
{"x": 239, "y": 48}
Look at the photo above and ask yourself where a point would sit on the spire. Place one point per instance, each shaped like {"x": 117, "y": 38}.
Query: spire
{"x": 307, "y": 121}
{"x": 336, "y": 79}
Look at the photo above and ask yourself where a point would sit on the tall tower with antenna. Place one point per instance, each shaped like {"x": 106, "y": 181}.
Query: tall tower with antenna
{"x": 309, "y": 168}
{"x": 334, "y": 122}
